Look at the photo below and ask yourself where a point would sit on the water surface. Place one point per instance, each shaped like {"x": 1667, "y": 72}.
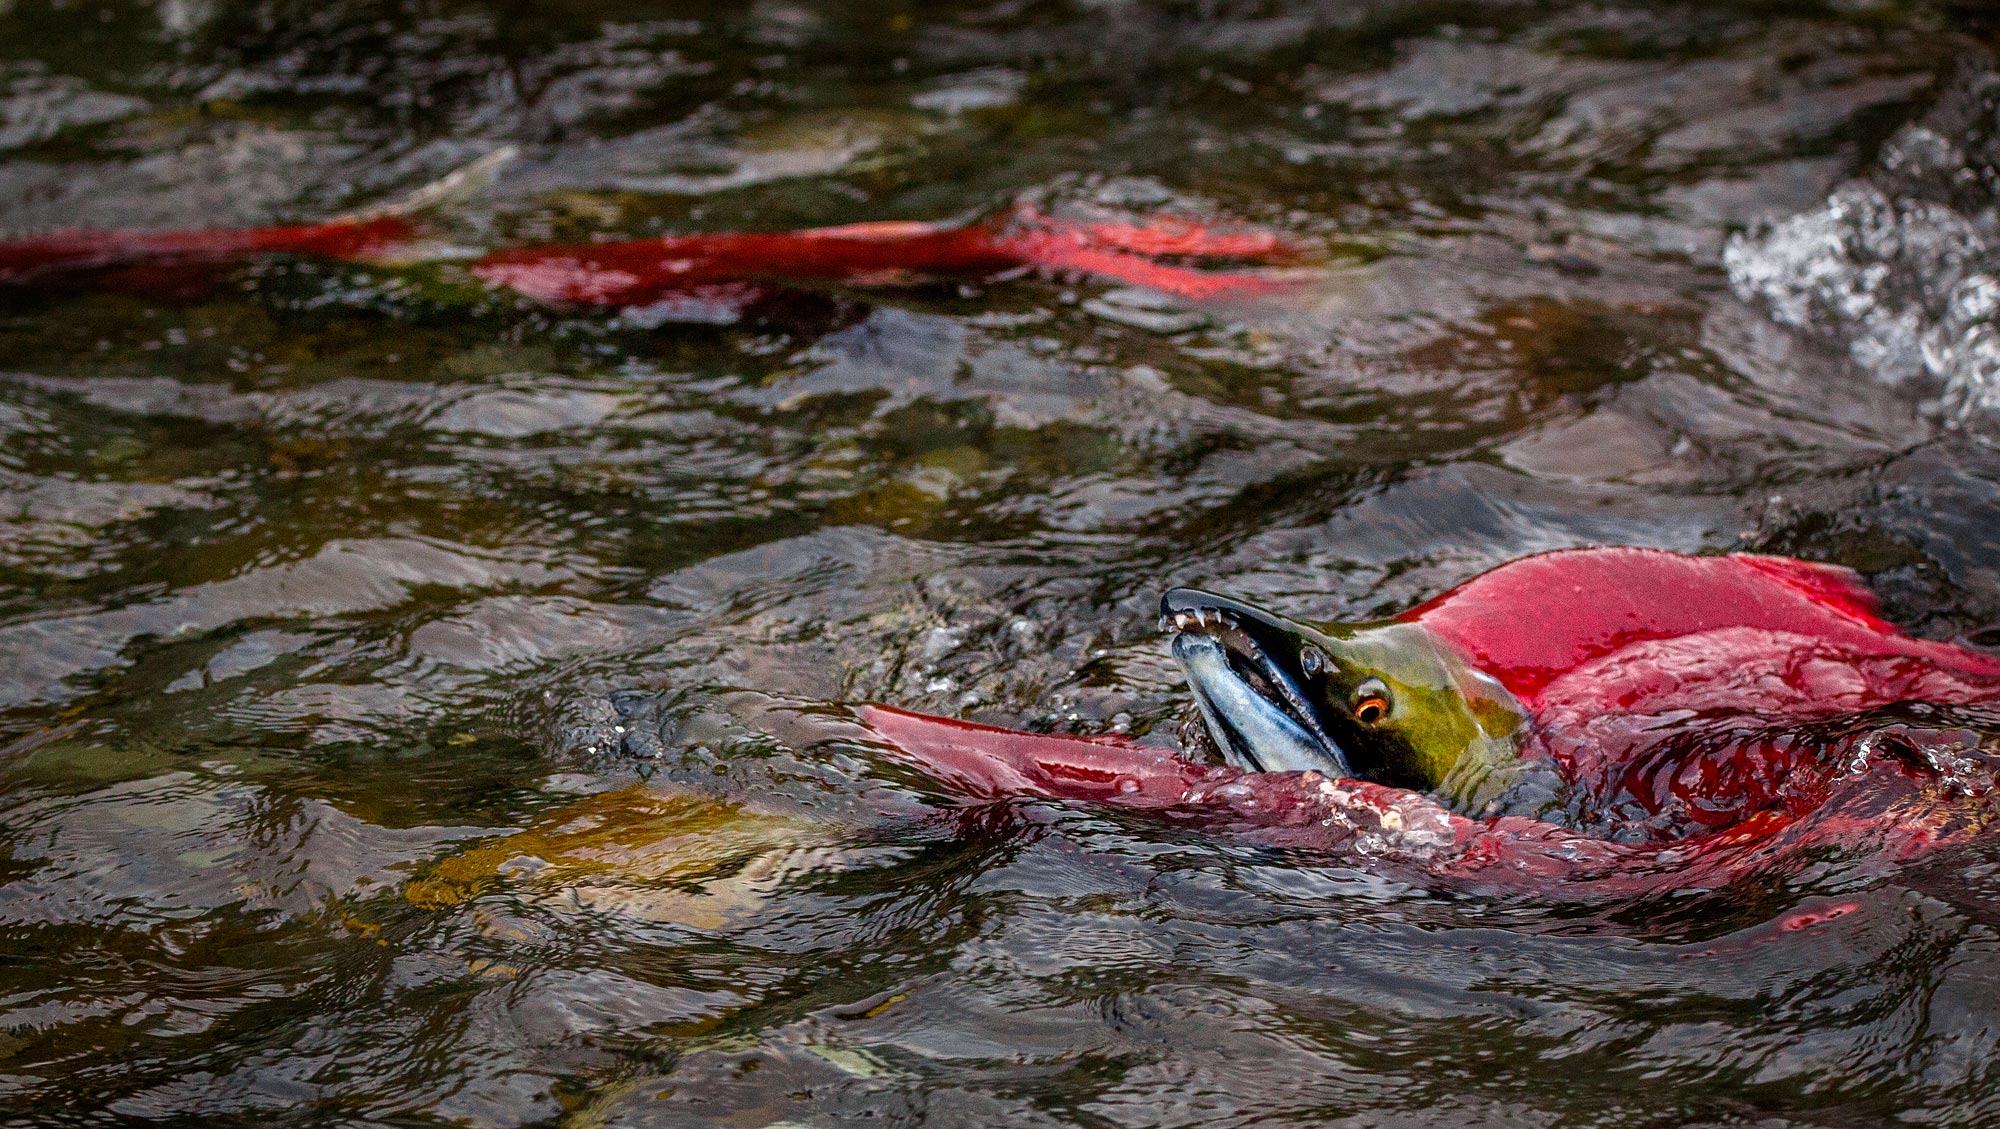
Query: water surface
{"x": 365, "y": 638}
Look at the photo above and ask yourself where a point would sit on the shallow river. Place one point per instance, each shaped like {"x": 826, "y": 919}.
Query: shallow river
{"x": 369, "y": 745}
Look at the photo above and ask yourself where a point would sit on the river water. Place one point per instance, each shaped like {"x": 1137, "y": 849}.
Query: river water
{"x": 372, "y": 645}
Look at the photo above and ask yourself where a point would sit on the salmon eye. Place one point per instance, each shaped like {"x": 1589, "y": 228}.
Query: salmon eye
{"x": 1371, "y": 702}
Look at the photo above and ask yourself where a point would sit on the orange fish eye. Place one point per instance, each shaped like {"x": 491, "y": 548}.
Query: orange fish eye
{"x": 1371, "y": 702}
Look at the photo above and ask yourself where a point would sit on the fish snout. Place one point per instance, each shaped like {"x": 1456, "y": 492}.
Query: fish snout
{"x": 1241, "y": 664}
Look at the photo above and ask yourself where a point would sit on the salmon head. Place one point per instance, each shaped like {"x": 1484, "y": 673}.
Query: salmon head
{"x": 1390, "y": 703}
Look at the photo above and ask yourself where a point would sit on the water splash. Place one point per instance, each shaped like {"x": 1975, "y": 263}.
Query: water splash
{"x": 1901, "y": 266}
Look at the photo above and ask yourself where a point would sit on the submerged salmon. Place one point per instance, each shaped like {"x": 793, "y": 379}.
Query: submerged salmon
{"x": 728, "y": 267}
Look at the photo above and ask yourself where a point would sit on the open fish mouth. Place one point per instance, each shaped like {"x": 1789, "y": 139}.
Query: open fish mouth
{"x": 1238, "y": 661}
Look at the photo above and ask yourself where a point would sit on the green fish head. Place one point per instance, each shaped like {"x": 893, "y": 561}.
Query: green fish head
{"x": 1384, "y": 702}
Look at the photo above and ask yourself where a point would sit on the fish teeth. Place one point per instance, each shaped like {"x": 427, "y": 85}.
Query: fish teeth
{"x": 1194, "y": 619}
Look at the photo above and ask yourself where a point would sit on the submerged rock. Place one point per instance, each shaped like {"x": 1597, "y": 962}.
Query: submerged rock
{"x": 656, "y": 854}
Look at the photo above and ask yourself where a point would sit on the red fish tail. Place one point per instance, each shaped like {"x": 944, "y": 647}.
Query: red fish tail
{"x": 1069, "y": 252}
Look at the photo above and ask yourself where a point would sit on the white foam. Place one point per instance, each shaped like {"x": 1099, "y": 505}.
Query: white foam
{"x": 1902, "y": 268}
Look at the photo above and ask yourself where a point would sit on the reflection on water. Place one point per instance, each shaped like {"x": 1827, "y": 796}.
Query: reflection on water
{"x": 363, "y": 755}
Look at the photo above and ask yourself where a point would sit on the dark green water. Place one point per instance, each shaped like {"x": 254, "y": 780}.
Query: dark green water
{"x": 322, "y": 591}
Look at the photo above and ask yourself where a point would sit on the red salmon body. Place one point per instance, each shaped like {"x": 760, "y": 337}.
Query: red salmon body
{"x": 721, "y": 268}
{"x": 1685, "y": 694}
{"x": 1595, "y": 628}
{"x": 67, "y": 252}
{"x": 1711, "y": 714}
{"x": 642, "y": 271}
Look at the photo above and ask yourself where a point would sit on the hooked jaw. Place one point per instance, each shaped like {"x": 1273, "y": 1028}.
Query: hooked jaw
{"x": 1384, "y": 702}
{"x": 1243, "y": 673}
